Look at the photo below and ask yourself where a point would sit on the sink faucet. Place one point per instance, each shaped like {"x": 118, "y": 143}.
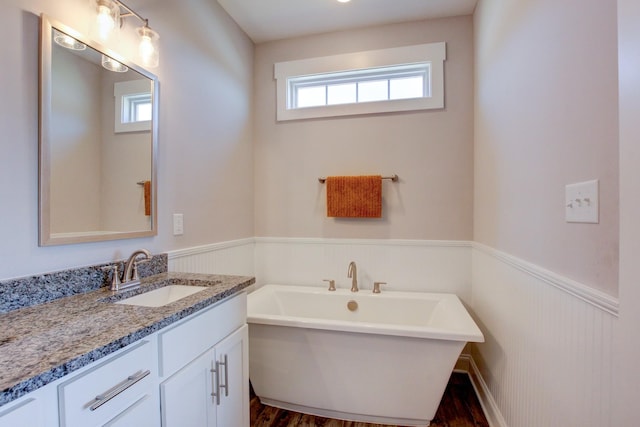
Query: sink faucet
{"x": 130, "y": 275}
{"x": 352, "y": 273}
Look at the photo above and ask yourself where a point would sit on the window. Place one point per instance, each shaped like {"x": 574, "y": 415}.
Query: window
{"x": 351, "y": 87}
{"x": 133, "y": 106}
{"x": 136, "y": 108}
{"x": 399, "y": 79}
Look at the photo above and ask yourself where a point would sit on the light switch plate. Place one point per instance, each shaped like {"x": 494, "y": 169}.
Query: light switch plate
{"x": 582, "y": 202}
{"x": 178, "y": 224}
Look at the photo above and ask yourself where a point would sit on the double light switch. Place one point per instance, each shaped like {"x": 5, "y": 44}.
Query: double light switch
{"x": 581, "y": 202}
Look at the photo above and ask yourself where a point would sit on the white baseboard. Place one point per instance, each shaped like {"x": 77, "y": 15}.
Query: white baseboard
{"x": 466, "y": 364}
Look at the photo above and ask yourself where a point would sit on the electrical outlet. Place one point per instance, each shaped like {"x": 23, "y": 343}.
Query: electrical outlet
{"x": 581, "y": 202}
{"x": 178, "y": 224}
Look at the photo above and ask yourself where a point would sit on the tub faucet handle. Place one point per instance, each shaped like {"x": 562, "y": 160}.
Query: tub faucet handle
{"x": 332, "y": 284}
{"x": 376, "y": 286}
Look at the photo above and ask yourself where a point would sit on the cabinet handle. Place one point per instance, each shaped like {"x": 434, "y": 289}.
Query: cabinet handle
{"x": 103, "y": 398}
{"x": 215, "y": 393}
{"x": 217, "y": 385}
{"x": 226, "y": 376}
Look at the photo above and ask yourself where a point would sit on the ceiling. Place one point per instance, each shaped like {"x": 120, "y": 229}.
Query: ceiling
{"x": 266, "y": 20}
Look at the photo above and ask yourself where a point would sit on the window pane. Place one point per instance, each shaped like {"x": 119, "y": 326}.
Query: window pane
{"x": 312, "y": 96}
{"x": 143, "y": 112}
{"x": 373, "y": 91}
{"x": 408, "y": 87}
{"x": 341, "y": 94}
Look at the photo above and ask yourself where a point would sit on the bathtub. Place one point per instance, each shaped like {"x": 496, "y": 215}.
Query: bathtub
{"x": 388, "y": 361}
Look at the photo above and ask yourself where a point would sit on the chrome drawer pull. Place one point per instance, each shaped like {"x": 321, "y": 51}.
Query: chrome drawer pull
{"x": 101, "y": 399}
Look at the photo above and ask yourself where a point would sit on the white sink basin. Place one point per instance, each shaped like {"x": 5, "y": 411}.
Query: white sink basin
{"x": 162, "y": 296}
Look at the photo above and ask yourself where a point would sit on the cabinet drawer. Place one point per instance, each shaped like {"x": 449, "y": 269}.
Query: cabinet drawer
{"x": 25, "y": 414}
{"x": 110, "y": 388}
{"x": 186, "y": 341}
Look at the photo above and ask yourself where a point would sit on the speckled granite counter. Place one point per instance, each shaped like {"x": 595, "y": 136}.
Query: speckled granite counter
{"x": 42, "y": 343}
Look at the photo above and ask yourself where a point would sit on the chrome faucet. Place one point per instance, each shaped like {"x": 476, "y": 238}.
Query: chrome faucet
{"x": 352, "y": 273}
{"x": 130, "y": 274}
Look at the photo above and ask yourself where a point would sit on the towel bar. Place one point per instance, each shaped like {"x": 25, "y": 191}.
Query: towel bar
{"x": 393, "y": 178}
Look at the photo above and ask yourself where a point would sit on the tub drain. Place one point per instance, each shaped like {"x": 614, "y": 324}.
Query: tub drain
{"x": 352, "y": 305}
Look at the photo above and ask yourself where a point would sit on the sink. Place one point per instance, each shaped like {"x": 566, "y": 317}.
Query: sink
{"x": 162, "y": 296}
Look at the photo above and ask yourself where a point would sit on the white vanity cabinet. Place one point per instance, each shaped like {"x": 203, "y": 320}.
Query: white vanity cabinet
{"x": 37, "y": 409}
{"x": 192, "y": 373}
{"x": 233, "y": 406}
{"x": 207, "y": 387}
{"x": 22, "y": 414}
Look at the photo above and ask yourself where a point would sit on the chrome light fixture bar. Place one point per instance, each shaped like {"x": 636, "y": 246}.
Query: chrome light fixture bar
{"x": 110, "y": 16}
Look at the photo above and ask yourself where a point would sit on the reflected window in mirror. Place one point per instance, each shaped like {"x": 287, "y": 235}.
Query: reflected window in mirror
{"x": 132, "y": 106}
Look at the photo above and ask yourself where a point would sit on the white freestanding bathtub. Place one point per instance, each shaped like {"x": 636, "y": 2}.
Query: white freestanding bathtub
{"x": 388, "y": 361}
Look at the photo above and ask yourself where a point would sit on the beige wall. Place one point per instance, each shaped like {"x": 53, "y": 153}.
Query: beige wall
{"x": 205, "y": 157}
{"x": 75, "y": 153}
{"x": 126, "y": 160}
{"x": 546, "y": 116}
{"x": 431, "y": 151}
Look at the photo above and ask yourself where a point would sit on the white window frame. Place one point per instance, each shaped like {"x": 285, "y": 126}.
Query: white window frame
{"x": 125, "y": 93}
{"x": 433, "y": 54}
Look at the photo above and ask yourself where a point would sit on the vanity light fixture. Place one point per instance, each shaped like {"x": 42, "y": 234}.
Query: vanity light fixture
{"x": 344, "y": 1}
{"x": 113, "y": 65}
{"x": 108, "y": 13}
{"x": 67, "y": 41}
{"x": 148, "y": 48}
{"x": 110, "y": 17}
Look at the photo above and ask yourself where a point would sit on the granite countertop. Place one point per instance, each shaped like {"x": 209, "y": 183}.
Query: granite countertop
{"x": 44, "y": 342}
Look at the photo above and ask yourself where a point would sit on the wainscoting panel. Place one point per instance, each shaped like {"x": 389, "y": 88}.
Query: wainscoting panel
{"x": 547, "y": 359}
{"x": 234, "y": 257}
{"x": 406, "y": 265}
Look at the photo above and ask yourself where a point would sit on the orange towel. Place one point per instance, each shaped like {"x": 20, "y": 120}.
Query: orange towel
{"x": 354, "y": 196}
{"x": 147, "y": 198}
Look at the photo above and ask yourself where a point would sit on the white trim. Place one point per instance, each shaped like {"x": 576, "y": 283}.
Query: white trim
{"x": 586, "y": 293}
{"x": 590, "y": 295}
{"x": 197, "y": 250}
{"x": 374, "y": 242}
{"x": 122, "y": 89}
{"x": 487, "y": 402}
{"x": 433, "y": 53}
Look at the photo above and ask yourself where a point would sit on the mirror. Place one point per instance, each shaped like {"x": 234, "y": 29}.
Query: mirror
{"x": 98, "y": 142}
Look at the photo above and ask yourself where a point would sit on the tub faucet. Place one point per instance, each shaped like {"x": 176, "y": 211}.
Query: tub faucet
{"x": 352, "y": 273}
{"x": 130, "y": 275}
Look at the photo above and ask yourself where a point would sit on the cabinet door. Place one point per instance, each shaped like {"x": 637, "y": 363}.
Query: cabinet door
{"x": 186, "y": 397}
{"x": 233, "y": 369}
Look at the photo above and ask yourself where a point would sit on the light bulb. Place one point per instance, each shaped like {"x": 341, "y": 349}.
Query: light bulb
{"x": 113, "y": 65}
{"x": 108, "y": 15}
{"x": 67, "y": 41}
{"x": 148, "y": 48}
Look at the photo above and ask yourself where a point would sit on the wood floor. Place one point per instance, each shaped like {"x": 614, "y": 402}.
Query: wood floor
{"x": 459, "y": 408}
